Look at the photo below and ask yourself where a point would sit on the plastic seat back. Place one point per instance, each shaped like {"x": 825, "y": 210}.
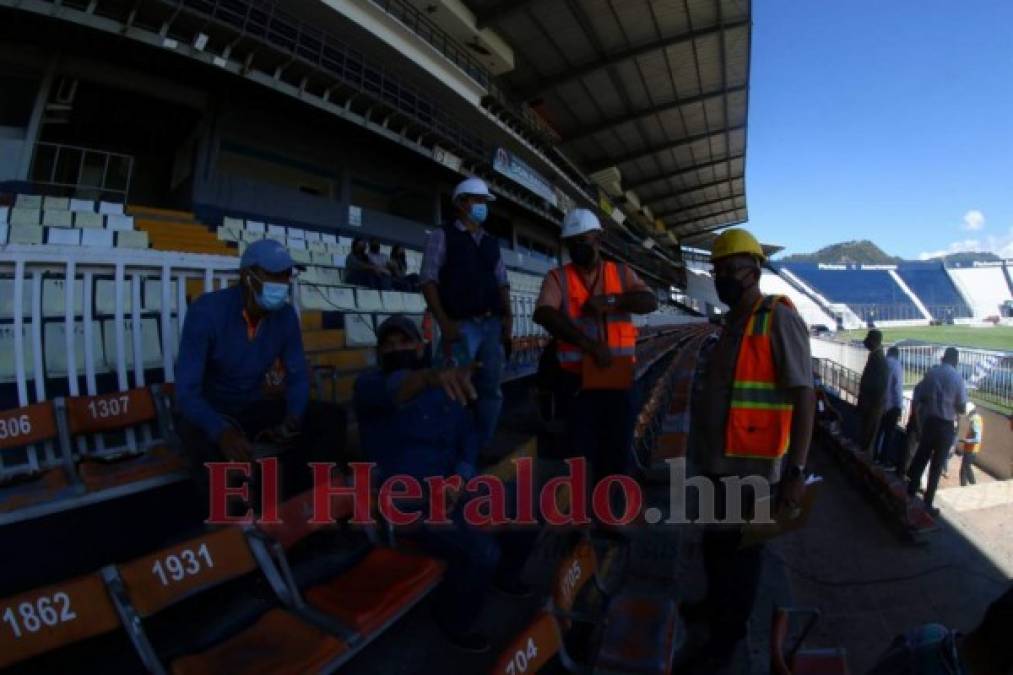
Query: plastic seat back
{"x": 572, "y": 574}
{"x": 531, "y": 649}
{"x": 25, "y": 428}
{"x": 48, "y": 618}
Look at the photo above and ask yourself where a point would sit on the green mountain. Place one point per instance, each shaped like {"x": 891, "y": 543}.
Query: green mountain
{"x": 969, "y": 258}
{"x": 862, "y": 252}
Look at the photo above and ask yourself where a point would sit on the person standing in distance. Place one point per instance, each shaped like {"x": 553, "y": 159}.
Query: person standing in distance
{"x": 465, "y": 285}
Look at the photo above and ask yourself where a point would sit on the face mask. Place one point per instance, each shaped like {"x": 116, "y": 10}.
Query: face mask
{"x": 401, "y": 359}
{"x": 581, "y": 253}
{"x": 272, "y": 296}
{"x": 478, "y": 213}
{"x": 729, "y": 290}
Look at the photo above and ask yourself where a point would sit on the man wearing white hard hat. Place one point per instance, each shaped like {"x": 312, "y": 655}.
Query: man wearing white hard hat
{"x": 587, "y": 306}
{"x": 465, "y": 285}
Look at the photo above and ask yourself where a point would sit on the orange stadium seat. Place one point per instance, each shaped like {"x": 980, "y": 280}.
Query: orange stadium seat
{"x": 794, "y": 660}
{"x": 88, "y": 415}
{"x": 48, "y": 618}
{"x": 23, "y": 430}
{"x": 278, "y": 642}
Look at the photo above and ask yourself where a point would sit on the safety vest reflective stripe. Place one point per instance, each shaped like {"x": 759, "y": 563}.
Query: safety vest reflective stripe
{"x": 620, "y": 333}
{"x": 760, "y": 413}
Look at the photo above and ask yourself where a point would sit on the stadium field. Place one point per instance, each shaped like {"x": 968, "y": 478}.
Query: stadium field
{"x": 998, "y": 338}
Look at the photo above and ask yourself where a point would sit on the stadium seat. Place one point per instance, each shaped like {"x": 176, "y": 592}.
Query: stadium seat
{"x": 63, "y": 236}
{"x": 57, "y": 218}
{"x": 312, "y": 236}
{"x": 121, "y": 223}
{"x": 317, "y": 247}
{"x": 639, "y": 635}
{"x": 133, "y": 409}
{"x": 393, "y": 301}
{"x": 359, "y": 331}
{"x": 301, "y": 257}
{"x": 151, "y": 346}
{"x": 296, "y": 234}
{"x": 47, "y": 472}
{"x": 88, "y": 219}
{"x": 82, "y": 205}
{"x": 110, "y": 208}
{"x": 230, "y": 223}
{"x": 54, "y": 293}
{"x": 4, "y": 231}
{"x": 329, "y": 238}
{"x": 297, "y": 245}
{"x": 55, "y": 204}
{"x": 131, "y": 239}
{"x": 25, "y": 218}
{"x": 255, "y": 226}
{"x": 55, "y": 344}
{"x": 26, "y": 234}
{"x": 793, "y": 660}
{"x": 97, "y": 238}
{"x": 53, "y": 617}
{"x": 28, "y": 202}
{"x": 368, "y": 301}
{"x": 5, "y": 212}
{"x": 278, "y": 642}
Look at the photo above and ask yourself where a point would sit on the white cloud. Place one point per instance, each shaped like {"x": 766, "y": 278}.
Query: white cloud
{"x": 974, "y": 220}
{"x": 1001, "y": 245}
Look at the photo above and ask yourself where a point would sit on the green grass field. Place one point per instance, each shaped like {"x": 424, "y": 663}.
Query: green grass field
{"x": 999, "y": 338}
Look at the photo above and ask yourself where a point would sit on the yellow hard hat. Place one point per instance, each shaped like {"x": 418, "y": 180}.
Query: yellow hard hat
{"x": 734, "y": 242}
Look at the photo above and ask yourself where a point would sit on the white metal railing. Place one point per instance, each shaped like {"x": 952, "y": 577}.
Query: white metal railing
{"x": 151, "y": 283}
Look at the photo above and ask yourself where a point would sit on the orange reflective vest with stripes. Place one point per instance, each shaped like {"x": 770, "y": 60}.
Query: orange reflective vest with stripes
{"x": 759, "y": 418}
{"x": 971, "y": 443}
{"x": 620, "y": 333}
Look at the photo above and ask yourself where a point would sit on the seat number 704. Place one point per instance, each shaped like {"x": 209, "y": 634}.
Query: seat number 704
{"x": 522, "y": 658}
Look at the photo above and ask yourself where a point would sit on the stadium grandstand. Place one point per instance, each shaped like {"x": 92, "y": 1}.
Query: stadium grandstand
{"x": 146, "y": 145}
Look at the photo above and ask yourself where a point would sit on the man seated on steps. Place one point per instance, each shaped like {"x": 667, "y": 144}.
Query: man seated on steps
{"x": 414, "y": 421}
{"x": 235, "y": 342}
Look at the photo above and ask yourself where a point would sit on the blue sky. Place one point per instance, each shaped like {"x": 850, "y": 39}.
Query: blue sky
{"x": 889, "y": 120}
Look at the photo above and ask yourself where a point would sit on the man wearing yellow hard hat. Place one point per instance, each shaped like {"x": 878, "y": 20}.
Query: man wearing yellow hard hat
{"x": 752, "y": 415}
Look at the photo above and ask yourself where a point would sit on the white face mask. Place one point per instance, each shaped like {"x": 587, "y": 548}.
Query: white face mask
{"x": 273, "y": 295}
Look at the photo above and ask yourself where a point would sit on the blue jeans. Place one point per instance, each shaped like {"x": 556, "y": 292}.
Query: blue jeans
{"x": 481, "y": 340}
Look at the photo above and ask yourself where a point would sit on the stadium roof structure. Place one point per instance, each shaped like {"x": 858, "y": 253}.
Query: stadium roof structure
{"x": 650, "y": 98}
{"x": 705, "y": 242}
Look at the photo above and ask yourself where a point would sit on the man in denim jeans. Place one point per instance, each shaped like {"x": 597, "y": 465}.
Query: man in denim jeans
{"x": 465, "y": 285}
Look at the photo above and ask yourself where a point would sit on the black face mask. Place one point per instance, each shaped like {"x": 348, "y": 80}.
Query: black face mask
{"x": 730, "y": 290}
{"x": 581, "y": 253}
{"x": 401, "y": 359}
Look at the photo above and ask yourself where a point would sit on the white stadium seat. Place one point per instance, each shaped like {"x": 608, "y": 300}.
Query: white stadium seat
{"x": 359, "y": 330}
{"x": 82, "y": 205}
{"x": 110, "y": 208}
{"x": 329, "y": 238}
{"x": 302, "y": 257}
{"x": 296, "y": 233}
{"x": 97, "y": 238}
{"x": 7, "y": 299}
{"x": 368, "y": 301}
{"x": 119, "y": 222}
{"x": 55, "y": 343}
{"x": 328, "y": 276}
{"x": 296, "y": 244}
{"x": 318, "y": 247}
{"x": 312, "y": 236}
{"x": 63, "y": 236}
{"x": 56, "y": 204}
{"x": 152, "y": 288}
{"x": 250, "y": 236}
{"x": 338, "y": 260}
{"x": 276, "y": 230}
{"x": 341, "y": 297}
{"x": 131, "y": 239}
{"x": 255, "y": 226}
{"x": 105, "y": 297}
{"x": 227, "y": 234}
{"x": 414, "y": 302}
{"x": 26, "y": 234}
{"x": 20, "y": 216}
{"x": 28, "y": 202}
{"x": 393, "y": 301}
{"x": 151, "y": 348}
{"x": 4, "y": 229}
{"x": 232, "y": 223}
{"x": 7, "y": 368}
{"x": 87, "y": 219}
{"x": 324, "y": 259}
{"x": 5, "y": 213}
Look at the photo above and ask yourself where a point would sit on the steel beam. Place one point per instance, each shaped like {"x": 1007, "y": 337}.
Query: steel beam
{"x": 553, "y": 81}
{"x": 711, "y": 202}
{"x": 648, "y": 152}
{"x": 605, "y": 125}
{"x": 680, "y": 171}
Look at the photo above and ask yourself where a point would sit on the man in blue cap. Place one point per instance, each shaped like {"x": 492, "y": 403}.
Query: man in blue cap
{"x": 235, "y": 343}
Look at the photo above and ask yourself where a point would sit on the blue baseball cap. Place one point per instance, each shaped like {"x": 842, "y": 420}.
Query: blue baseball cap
{"x": 267, "y": 254}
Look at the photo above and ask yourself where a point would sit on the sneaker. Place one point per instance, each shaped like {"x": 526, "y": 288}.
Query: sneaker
{"x": 514, "y": 588}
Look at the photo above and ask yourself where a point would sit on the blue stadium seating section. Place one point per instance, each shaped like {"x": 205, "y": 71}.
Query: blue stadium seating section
{"x": 933, "y": 286}
{"x": 871, "y": 294}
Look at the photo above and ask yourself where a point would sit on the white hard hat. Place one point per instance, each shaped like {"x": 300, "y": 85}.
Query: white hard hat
{"x": 579, "y": 221}
{"x": 970, "y": 407}
{"x": 473, "y": 186}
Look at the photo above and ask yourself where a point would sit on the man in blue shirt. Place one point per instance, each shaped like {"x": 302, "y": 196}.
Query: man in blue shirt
{"x": 413, "y": 420}
{"x": 939, "y": 398}
{"x": 236, "y": 342}
{"x": 894, "y": 406}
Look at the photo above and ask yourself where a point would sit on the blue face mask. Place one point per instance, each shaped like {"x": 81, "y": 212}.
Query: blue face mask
{"x": 478, "y": 213}
{"x": 272, "y": 296}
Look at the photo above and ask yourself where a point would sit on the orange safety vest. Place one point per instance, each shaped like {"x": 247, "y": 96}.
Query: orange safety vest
{"x": 972, "y": 443}
{"x": 621, "y": 334}
{"x": 759, "y": 418}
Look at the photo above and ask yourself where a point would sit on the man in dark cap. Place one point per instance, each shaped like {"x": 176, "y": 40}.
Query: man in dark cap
{"x": 236, "y": 343}
{"x": 414, "y": 421}
{"x": 872, "y": 391}
{"x": 939, "y": 398}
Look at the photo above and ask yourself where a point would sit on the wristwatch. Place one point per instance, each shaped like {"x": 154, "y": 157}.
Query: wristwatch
{"x": 794, "y": 471}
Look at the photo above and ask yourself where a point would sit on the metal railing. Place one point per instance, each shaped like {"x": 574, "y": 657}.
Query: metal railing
{"x": 417, "y": 22}
{"x": 88, "y": 173}
{"x": 886, "y": 312}
{"x": 842, "y": 381}
{"x": 989, "y": 375}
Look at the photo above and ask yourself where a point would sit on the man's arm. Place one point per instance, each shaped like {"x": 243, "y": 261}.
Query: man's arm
{"x": 194, "y": 345}
{"x": 561, "y": 327}
{"x": 804, "y": 402}
{"x": 377, "y": 390}
{"x": 297, "y": 381}
{"x": 636, "y": 302}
